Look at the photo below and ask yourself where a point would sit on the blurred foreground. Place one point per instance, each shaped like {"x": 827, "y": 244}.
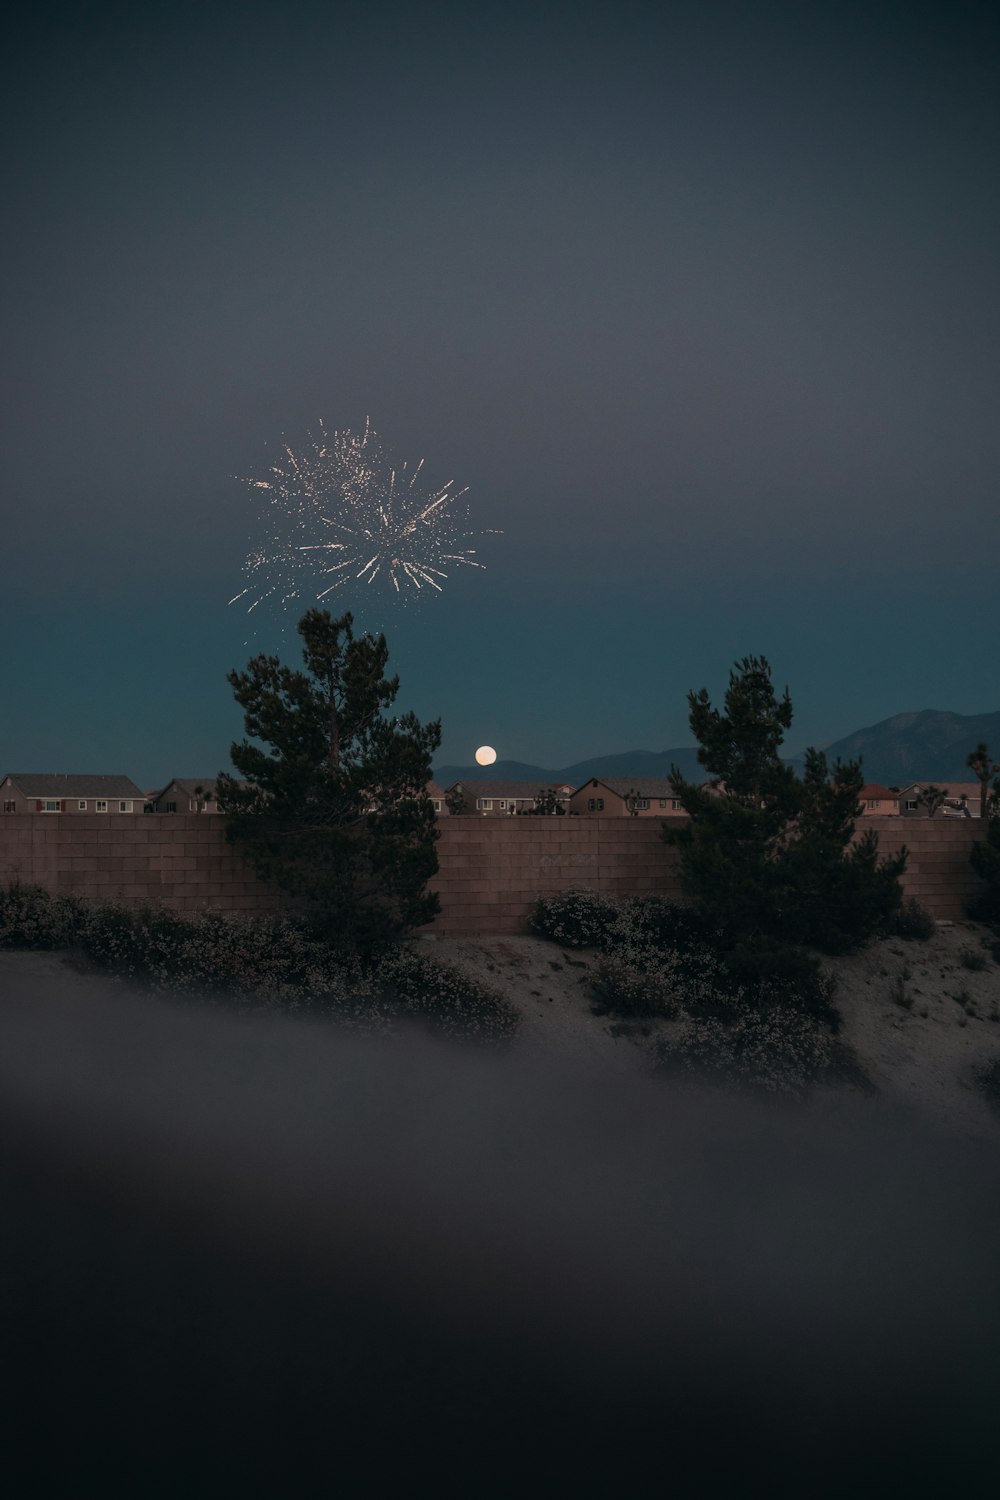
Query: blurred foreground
{"x": 261, "y": 1257}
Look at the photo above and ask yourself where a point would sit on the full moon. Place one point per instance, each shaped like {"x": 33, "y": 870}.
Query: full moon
{"x": 486, "y": 755}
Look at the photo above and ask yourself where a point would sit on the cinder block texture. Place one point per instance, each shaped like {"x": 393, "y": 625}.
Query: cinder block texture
{"x": 492, "y": 870}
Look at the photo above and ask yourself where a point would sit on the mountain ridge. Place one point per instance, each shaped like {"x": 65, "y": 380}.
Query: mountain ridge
{"x": 917, "y": 745}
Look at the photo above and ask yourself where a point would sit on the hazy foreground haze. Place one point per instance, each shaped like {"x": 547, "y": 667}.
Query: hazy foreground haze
{"x": 268, "y": 1255}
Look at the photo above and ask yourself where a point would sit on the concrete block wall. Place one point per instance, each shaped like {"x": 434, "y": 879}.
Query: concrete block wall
{"x": 938, "y": 872}
{"x": 176, "y": 860}
{"x": 492, "y": 869}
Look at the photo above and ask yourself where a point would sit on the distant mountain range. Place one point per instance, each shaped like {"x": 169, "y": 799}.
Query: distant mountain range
{"x": 930, "y": 745}
{"x": 927, "y": 746}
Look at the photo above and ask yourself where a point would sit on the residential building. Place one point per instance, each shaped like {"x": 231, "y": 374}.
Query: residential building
{"x": 187, "y": 794}
{"x": 504, "y": 799}
{"x": 962, "y": 799}
{"x": 437, "y": 794}
{"x": 626, "y": 796}
{"x": 32, "y": 792}
{"x": 878, "y": 801}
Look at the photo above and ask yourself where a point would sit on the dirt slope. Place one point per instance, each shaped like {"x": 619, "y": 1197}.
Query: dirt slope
{"x": 920, "y": 1022}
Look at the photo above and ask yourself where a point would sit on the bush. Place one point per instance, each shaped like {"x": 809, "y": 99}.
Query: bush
{"x": 635, "y": 979}
{"x": 777, "y": 1050}
{"x": 31, "y": 918}
{"x": 584, "y": 919}
{"x": 418, "y": 987}
{"x": 660, "y": 924}
{"x": 575, "y": 919}
{"x": 973, "y": 959}
{"x": 273, "y": 961}
{"x": 911, "y": 922}
{"x": 636, "y": 993}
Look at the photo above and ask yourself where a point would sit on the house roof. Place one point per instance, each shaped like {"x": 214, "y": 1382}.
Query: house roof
{"x": 189, "y": 784}
{"x": 643, "y": 786}
{"x": 42, "y": 784}
{"x": 525, "y": 790}
{"x": 433, "y": 790}
{"x": 872, "y": 792}
{"x": 955, "y": 789}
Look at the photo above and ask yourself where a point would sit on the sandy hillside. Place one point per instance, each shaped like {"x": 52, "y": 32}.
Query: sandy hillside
{"x": 919, "y": 1020}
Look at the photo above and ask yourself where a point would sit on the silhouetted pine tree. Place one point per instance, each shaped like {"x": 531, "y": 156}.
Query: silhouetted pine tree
{"x": 334, "y": 808}
{"x": 765, "y": 857}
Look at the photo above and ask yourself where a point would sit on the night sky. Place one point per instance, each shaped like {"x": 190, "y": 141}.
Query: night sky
{"x": 700, "y": 301}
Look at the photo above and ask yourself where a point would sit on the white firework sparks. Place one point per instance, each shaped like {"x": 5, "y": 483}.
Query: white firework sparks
{"x": 339, "y": 514}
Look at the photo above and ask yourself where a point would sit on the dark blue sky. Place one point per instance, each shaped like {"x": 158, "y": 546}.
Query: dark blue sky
{"x": 699, "y": 300}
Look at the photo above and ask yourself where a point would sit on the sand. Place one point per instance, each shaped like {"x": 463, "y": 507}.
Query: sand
{"x": 919, "y": 1022}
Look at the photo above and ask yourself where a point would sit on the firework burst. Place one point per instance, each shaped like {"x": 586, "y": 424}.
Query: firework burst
{"x": 338, "y": 514}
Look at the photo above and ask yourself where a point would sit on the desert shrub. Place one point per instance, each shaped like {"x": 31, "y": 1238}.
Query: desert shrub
{"x": 624, "y": 990}
{"x": 660, "y": 957}
{"x": 110, "y": 937}
{"x": 762, "y": 957}
{"x": 660, "y": 924}
{"x": 777, "y": 1050}
{"x": 272, "y": 962}
{"x": 638, "y": 986}
{"x": 418, "y": 987}
{"x": 810, "y": 994}
{"x": 575, "y": 919}
{"x": 973, "y": 959}
{"x": 31, "y": 918}
{"x": 911, "y": 922}
{"x": 272, "y": 959}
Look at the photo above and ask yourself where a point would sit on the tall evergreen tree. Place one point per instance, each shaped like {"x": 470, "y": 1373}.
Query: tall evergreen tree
{"x": 331, "y": 803}
{"x": 767, "y": 857}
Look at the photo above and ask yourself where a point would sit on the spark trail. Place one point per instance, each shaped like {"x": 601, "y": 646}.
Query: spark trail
{"x": 340, "y": 515}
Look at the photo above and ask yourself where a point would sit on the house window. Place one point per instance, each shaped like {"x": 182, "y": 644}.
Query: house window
{"x": 124, "y": 807}
{"x": 485, "y": 804}
{"x": 674, "y": 803}
{"x": 9, "y": 807}
{"x": 663, "y": 801}
{"x": 51, "y": 807}
{"x": 436, "y": 802}
{"x": 503, "y": 804}
{"x": 911, "y": 807}
{"x": 171, "y": 807}
{"x": 643, "y": 804}
{"x": 591, "y": 804}
{"x": 873, "y": 804}
{"x": 600, "y": 804}
{"x": 81, "y": 807}
{"x": 100, "y": 806}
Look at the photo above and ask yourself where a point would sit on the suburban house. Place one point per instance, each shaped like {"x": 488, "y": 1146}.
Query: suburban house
{"x": 496, "y": 799}
{"x": 626, "y": 796}
{"x": 878, "y": 801}
{"x": 436, "y": 794}
{"x": 186, "y": 794}
{"x": 193, "y": 794}
{"x": 44, "y": 793}
{"x": 962, "y": 799}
